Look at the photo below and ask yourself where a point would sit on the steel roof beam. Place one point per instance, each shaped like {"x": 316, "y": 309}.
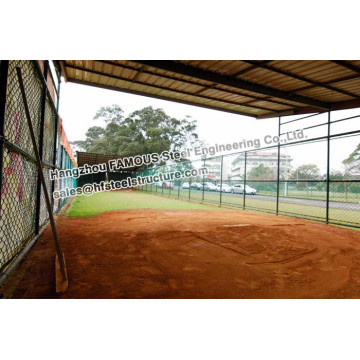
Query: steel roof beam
{"x": 134, "y": 92}
{"x": 187, "y": 81}
{"x": 186, "y": 70}
{"x": 166, "y": 88}
{"x": 347, "y": 65}
{"x": 301, "y": 78}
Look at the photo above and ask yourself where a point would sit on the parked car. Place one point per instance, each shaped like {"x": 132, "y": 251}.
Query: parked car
{"x": 167, "y": 185}
{"x": 158, "y": 185}
{"x": 196, "y": 186}
{"x": 208, "y": 186}
{"x": 249, "y": 190}
{"x": 185, "y": 185}
{"x": 239, "y": 189}
{"x": 224, "y": 188}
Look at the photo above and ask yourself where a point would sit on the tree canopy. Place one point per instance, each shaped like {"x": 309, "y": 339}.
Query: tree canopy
{"x": 261, "y": 172}
{"x": 144, "y": 131}
{"x": 352, "y": 162}
{"x": 306, "y": 172}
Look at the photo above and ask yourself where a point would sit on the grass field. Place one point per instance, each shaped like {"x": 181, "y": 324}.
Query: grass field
{"x": 314, "y": 194}
{"x": 85, "y": 206}
{"x": 252, "y": 202}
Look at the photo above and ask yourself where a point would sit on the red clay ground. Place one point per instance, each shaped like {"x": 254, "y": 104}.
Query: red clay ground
{"x": 193, "y": 254}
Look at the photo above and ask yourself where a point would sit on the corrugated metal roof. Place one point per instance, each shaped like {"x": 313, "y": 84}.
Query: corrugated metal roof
{"x": 259, "y": 88}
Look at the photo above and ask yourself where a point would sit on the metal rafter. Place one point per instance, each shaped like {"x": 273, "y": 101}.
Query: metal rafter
{"x": 347, "y": 65}
{"x": 252, "y": 67}
{"x": 186, "y": 81}
{"x": 307, "y": 87}
{"x": 237, "y": 74}
{"x": 164, "y": 88}
{"x": 229, "y": 81}
{"x": 301, "y": 78}
{"x": 134, "y": 92}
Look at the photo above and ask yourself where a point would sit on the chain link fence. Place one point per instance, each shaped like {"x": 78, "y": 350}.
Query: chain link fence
{"x": 23, "y": 210}
{"x": 310, "y": 177}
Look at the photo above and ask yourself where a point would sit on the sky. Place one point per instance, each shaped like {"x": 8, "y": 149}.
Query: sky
{"x": 79, "y": 103}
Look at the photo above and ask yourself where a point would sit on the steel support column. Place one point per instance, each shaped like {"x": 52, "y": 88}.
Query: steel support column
{"x": 244, "y": 191}
{"x": 4, "y": 69}
{"x": 54, "y": 155}
{"x": 41, "y": 150}
{"x": 221, "y": 174}
{"x": 203, "y": 184}
{"x": 189, "y": 187}
{"x": 58, "y": 91}
{"x": 278, "y": 170}
{"x": 328, "y": 171}
{"x": 179, "y": 185}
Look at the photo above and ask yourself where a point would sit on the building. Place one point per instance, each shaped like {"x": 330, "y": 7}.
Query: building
{"x": 256, "y": 158}
{"x": 214, "y": 169}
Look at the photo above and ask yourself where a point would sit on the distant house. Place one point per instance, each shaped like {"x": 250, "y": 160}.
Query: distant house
{"x": 256, "y": 158}
{"x": 214, "y": 169}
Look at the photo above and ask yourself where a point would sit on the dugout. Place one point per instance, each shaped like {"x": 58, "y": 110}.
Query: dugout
{"x": 88, "y": 158}
{"x": 308, "y": 94}
{"x": 257, "y": 88}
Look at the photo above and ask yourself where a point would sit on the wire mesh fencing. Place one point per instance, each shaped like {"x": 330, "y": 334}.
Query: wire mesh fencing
{"x": 22, "y": 204}
{"x": 315, "y": 177}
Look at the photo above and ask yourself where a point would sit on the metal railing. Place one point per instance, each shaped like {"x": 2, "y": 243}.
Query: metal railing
{"x": 322, "y": 196}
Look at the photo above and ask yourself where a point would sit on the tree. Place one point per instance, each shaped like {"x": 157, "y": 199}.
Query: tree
{"x": 144, "y": 131}
{"x": 110, "y": 114}
{"x": 261, "y": 172}
{"x": 352, "y": 162}
{"x": 305, "y": 172}
{"x": 352, "y": 167}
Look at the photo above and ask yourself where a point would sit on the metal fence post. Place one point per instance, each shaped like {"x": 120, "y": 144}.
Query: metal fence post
{"x": 278, "y": 170}
{"x": 162, "y": 183}
{"x": 221, "y": 175}
{"x": 41, "y": 149}
{"x": 328, "y": 171}
{"x": 61, "y": 164}
{"x": 4, "y": 69}
{"x": 54, "y": 156}
{"x": 189, "y": 187}
{"x": 58, "y": 91}
{"x": 244, "y": 190}
{"x": 203, "y": 184}
{"x": 56, "y": 131}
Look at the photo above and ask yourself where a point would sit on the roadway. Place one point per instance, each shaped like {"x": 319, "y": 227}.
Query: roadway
{"x": 298, "y": 201}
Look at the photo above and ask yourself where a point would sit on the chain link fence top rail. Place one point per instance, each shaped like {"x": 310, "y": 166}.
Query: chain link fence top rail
{"x": 22, "y": 205}
{"x": 266, "y": 179}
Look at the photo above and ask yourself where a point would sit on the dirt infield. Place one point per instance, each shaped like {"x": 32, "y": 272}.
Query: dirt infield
{"x": 193, "y": 254}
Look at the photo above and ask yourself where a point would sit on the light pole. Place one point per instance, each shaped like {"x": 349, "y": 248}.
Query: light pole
{"x": 287, "y": 171}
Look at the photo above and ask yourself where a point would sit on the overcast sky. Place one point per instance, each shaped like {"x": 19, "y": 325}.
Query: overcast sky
{"x": 79, "y": 103}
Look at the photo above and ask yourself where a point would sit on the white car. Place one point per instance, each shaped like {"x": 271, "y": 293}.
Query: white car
{"x": 209, "y": 186}
{"x": 196, "y": 186}
{"x": 224, "y": 188}
{"x": 185, "y": 185}
{"x": 239, "y": 189}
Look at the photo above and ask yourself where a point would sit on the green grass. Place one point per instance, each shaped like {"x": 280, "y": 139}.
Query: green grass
{"x": 85, "y": 206}
{"x": 314, "y": 194}
{"x": 252, "y": 202}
